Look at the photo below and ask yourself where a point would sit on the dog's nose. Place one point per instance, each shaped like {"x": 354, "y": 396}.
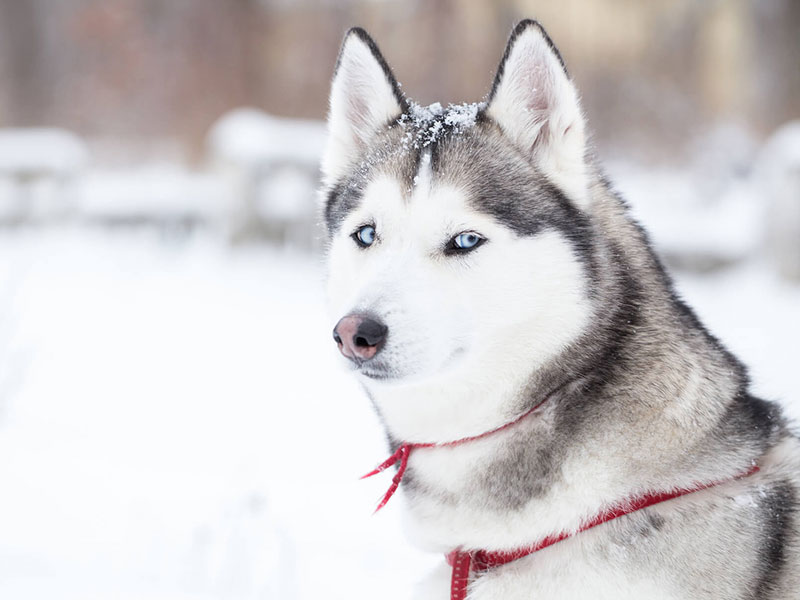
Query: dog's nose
{"x": 359, "y": 336}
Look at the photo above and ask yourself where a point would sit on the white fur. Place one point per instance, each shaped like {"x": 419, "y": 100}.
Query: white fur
{"x": 462, "y": 330}
{"x": 361, "y": 101}
{"x": 538, "y": 108}
{"x": 597, "y": 563}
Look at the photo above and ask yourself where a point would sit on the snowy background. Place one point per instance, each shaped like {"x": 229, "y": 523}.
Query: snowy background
{"x": 174, "y": 421}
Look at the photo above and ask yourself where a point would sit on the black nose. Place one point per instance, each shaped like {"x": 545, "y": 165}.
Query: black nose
{"x": 359, "y": 336}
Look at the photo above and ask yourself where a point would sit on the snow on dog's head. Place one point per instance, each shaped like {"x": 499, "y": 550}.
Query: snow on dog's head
{"x": 455, "y": 266}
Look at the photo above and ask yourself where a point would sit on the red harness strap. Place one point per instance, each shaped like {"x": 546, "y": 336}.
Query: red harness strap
{"x": 465, "y": 562}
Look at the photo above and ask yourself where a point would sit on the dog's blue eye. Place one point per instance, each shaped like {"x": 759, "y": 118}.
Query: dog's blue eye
{"x": 466, "y": 241}
{"x": 365, "y": 236}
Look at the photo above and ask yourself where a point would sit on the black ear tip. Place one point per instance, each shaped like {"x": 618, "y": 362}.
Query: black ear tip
{"x": 526, "y": 24}
{"x": 360, "y": 33}
{"x": 518, "y": 30}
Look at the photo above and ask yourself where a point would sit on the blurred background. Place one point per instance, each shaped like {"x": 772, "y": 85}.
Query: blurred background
{"x": 173, "y": 419}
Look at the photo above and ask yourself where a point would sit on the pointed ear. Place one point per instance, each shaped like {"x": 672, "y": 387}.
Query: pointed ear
{"x": 537, "y": 107}
{"x": 365, "y": 96}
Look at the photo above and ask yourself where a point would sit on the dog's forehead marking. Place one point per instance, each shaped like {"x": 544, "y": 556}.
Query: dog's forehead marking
{"x": 406, "y": 150}
{"x": 430, "y": 149}
{"x": 389, "y": 199}
{"x": 433, "y": 210}
{"x": 422, "y": 180}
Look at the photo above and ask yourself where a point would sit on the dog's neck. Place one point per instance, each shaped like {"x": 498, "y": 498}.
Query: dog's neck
{"x": 561, "y": 465}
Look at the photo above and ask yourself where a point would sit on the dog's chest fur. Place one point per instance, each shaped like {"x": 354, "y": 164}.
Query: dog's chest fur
{"x": 717, "y": 543}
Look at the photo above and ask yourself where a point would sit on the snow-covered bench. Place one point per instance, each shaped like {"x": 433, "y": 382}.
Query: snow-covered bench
{"x": 167, "y": 195}
{"x": 38, "y": 170}
{"x": 273, "y": 167}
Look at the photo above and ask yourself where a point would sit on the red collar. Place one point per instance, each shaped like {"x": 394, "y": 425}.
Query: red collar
{"x": 404, "y": 451}
{"x": 465, "y": 562}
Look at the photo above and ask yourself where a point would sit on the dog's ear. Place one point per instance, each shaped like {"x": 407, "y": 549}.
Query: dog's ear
{"x": 365, "y": 96}
{"x": 537, "y": 107}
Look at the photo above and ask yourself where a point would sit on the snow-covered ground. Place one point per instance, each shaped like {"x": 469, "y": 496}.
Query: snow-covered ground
{"x": 174, "y": 423}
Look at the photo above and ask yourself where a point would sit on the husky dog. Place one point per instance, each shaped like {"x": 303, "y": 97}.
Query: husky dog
{"x": 513, "y": 327}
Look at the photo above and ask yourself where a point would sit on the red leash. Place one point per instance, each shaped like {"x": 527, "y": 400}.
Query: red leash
{"x": 477, "y": 561}
{"x": 404, "y": 451}
{"x": 465, "y": 562}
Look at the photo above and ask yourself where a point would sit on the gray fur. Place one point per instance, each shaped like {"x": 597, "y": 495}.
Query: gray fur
{"x": 613, "y": 386}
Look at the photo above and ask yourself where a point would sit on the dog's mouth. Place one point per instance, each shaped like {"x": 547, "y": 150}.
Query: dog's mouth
{"x": 379, "y": 370}
{"x": 376, "y": 371}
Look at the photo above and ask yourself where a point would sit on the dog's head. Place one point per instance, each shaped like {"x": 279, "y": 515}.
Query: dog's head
{"x": 458, "y": 259}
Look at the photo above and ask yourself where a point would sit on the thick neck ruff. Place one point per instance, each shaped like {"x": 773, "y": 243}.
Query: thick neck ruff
{"x": 465, "y": 562}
